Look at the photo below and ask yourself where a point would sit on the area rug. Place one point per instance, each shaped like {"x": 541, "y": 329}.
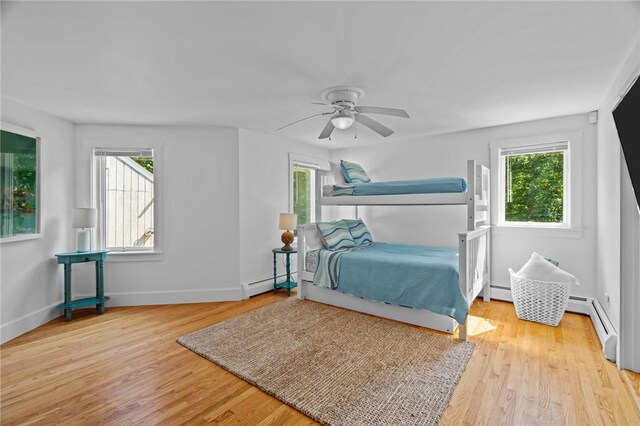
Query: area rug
{"x": 337, "y": 366}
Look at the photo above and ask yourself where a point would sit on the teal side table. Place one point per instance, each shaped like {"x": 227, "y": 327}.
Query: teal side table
{"x": 288, "y": 284}
{"x": 69, "y": 258}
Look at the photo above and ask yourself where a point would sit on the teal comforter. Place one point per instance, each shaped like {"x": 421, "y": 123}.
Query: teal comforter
{"x": 418, "y": 277}
{"x": 398, "y": 187}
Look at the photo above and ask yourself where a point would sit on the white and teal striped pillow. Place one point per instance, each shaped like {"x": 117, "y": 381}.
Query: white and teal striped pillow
{"x": 359, "y": 232}
{"x": 353, "y": 173}
{"x": 336, "y": 235}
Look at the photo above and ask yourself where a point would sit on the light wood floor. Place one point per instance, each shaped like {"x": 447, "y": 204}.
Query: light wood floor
{"x": 124, "y": 367}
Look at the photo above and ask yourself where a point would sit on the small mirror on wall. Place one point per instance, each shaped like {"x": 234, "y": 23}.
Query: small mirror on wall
{"x": 19, "y": 184}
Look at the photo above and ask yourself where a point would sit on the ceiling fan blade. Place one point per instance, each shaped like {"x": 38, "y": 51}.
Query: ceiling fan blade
{"x": 311, "y": 116}
{"x": 373, "y": 125}
{"x": 385, "y": 111}
{"x": 326, "y": 132}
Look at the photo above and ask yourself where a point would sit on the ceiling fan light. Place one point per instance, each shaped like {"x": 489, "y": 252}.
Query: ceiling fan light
{"x": 342, "y": 121}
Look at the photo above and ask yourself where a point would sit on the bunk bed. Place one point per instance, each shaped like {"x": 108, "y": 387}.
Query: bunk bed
{"x": 473, "y": 249}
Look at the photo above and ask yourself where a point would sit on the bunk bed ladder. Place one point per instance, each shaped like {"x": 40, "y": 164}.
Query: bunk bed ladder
{"x": 471, "y": 195}
{"x": 474, "y": 266}
{"x": 477, "y": 195}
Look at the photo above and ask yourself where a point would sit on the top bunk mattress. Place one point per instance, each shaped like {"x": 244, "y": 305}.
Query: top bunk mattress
{"x": 438, "y": 185}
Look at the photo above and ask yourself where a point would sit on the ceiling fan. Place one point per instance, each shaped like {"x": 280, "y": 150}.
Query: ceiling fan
{"x": 346, "y": 111}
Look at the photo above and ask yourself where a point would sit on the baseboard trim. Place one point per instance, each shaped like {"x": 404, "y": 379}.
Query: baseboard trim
{"x": 262, "y": 286}
{"x": 577, "y": 304}
{"x": 28, "y": 322}
{"x": 258, "y": 288}
{"x": 173, "y": 297}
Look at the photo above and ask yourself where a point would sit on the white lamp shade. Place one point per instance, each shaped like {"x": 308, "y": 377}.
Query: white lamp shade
{"x": 84, "y": 218}
{"x": 342, "y": 121}
{"x": 288, "y": 221}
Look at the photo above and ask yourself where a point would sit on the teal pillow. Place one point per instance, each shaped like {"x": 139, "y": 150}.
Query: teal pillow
{"x": 336, "y": 235}
{"x": 354, "y": 173}
{"x": 359, "y": 232}
{"x": 552, "y": 261}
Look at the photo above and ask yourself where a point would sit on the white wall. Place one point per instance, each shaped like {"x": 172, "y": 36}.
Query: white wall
{"x": 31, "y": 282}
{"x": 446, "y": 155}
{"x": 618, "y": 220}
{"x": 608, "y": 208}
{"x": 264, "y": 193}
{"x": 629, "y": 274}
{"x": 197, "y": 183}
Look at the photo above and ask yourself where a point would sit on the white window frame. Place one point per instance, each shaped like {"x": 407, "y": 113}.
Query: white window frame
{"x": 97, "y": 196}
{"x": 572, "y": 211}
{"x": 31, "y": 134}
{"x": 308, "y": 162}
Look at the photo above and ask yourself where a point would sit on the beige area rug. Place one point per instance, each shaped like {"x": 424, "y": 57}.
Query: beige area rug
{"x": 337, "y": 366}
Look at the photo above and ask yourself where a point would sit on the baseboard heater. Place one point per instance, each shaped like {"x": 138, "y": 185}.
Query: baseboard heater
{"x": 606, "y": 333}
{"x": 577, "y": 304}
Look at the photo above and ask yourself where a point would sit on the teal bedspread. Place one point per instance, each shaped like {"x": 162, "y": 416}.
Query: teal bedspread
{"x": 418, "y": 186}
{"x": 417, "y": 277}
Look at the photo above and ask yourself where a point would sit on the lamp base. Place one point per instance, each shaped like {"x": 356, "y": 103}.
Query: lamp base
{"x": 287, "y": 239}
{"x": 83, "y": 240}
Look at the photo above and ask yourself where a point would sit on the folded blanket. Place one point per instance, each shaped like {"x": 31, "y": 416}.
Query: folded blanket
{"x": 540, "y": 269}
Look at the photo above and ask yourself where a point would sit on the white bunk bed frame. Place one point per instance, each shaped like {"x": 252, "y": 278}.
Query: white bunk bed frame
{"x": 473, "y": 248}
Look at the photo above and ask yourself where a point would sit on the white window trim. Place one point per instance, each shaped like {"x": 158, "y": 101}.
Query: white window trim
{"x": 572, "y": 228}
{"x": 301, "y": 160}
{"x": 134, "y": 255}
{"x": 29, "y": 133}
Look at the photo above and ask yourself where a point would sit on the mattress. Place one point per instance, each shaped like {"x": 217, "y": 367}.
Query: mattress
{"x": 438, "y": 185}
{"x": 311, "y": 260}
{"x": 417, "y": 277}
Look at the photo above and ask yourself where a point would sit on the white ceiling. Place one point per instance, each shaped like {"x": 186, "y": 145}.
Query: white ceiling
{"x": 452, "y": 66}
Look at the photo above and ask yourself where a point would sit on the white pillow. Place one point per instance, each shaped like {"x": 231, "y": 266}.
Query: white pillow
{"x": 313, "y": 239}
{"x": 336, "y": 173}
{"x": 540, "y": 269}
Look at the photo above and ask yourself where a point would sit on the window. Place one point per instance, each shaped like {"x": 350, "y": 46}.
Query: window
{"x": 125, "y": 198}
{"x": 303, "y": 172}
{"x": 304, "y": 194}
{"x": 534, "y": 184}
{"x": 19, "y": 182}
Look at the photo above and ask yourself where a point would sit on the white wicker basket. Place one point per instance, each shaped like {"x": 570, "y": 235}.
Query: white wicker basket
{"x": 539, "y": 301}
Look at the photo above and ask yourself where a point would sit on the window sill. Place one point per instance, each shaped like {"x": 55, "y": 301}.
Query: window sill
{"x": 20, "y": 238}
{"x": 145, "y": 256}
{"x": 536, "y": 231}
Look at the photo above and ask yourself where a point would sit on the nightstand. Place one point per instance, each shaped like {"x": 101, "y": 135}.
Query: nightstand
{"x": 288, "y": 283}
{"x": 97, "y": 256}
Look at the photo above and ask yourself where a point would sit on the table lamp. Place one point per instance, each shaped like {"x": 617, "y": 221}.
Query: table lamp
{"x": 84, "y": 219}
{"x": 288, "y": 221}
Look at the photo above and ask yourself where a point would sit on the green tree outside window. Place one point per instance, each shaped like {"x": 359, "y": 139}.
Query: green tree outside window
{"x": 146, "y": 162}
{"x": 18, "y": 184}
{"x": 534, "y": 187}
{"x": 302, "y": 194}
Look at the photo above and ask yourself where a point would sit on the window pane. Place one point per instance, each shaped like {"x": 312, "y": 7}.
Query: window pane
{"x": 128, "y": 205}
{"x": 534, "y": 187}
{"x": 302, "y": 194}
{"x": 18, "y": 180}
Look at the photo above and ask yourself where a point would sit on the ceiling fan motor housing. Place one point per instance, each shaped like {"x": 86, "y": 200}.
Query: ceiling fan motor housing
{"x": 345, "y": 96}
